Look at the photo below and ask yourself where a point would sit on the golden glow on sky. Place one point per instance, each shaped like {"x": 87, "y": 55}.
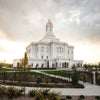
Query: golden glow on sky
{"x": 88, "y": 53}
{"x": 11, "y": 50}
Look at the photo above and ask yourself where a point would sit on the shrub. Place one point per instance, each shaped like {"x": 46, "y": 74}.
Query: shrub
{"x": 38, "y": 80}
{"x": 13, "y": 92}
{"x": 97, "y": 97}
{"x": 39, "y": 96}
{"x": 68, "y": 97}
{"x": 79, "y": 85}
{"x": 79, "y": 99}
{"x": 45, "y": 93}
{"x": 82, "y": 97}
{"x": 2, "y": 91}
{"x": 98, "y": 81}
{"x": 32, "y": 93}
{"x": 10, "y": 93}
{"x": 63, "y": 99}
{"x": 54, "y": 96}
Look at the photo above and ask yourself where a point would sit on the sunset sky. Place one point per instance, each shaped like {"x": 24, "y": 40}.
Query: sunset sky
{"x": 74, "y": 21}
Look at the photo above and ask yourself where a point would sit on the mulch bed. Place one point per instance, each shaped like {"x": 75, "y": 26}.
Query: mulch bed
{"x": 73, "y": 98}
{"x": 77, "y": 97}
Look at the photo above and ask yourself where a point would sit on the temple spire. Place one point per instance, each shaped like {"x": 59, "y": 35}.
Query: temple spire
{"x": 49, "y": 26}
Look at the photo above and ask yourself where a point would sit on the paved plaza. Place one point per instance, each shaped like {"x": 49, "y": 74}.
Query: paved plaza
{"x": 89, "y": 90}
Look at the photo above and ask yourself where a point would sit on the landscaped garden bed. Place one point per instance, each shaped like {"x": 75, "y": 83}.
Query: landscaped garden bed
{"x": 83, "y": 76}
{"x": 47, "y": 85}
{"x": 35, "y": 79}
{"x": 12, "y": 93}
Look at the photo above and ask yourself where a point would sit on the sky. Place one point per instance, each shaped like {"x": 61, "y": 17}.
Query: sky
{"x": 74, "y": 21}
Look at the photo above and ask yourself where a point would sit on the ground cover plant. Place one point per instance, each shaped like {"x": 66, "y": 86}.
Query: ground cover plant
{"x": 10, "y": 92}
{"x": 44, "y": 94}
{"x": 6, "y": 69}
{"x": 59, "y": 73}
{"x": 35, "y": 79}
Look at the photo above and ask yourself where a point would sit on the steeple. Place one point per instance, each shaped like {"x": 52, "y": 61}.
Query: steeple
{"x": 49, "y": 36}
{"x": 49, "y": 26}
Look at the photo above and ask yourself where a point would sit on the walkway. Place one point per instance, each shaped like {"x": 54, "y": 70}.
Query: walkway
{"x": 89, "y": 90}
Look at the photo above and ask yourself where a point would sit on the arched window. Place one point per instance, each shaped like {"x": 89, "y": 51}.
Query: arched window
{"x": 32, "y": 64}
{"x": 60, "y": 49}
{"x": 41, "y": 57}
{"x": 47, "y": 49}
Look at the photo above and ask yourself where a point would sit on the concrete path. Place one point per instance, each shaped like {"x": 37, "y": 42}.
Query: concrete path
{"x": 90, "y": 89}
{"x": 87, "y": 91}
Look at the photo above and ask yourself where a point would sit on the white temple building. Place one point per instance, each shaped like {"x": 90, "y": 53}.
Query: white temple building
{"x": 50, "y": 52}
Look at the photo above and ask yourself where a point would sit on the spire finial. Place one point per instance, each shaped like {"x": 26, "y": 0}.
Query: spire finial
{"x": 49, "y": 26}
{"x": 49, "y": 21}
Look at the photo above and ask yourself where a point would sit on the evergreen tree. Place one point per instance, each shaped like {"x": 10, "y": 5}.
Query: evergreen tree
{"x": 75, "y": 77}
{"x": 25, "y": 60}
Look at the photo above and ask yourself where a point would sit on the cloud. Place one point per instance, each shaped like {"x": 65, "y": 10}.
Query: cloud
{"x": 74, "y": 21}
{"x": 25, "y": 20}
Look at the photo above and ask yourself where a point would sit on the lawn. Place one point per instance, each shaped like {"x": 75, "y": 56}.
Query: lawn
{"x": 38, "y": 74}
{"x": 32, "y": 73}
{"x": 5, "y": 69}
{"x": 59, "y": 73}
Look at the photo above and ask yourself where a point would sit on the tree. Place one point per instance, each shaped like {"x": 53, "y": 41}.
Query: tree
{"x": 75, "y": 77}
{"x": 47, "y": 64}
{"x": 25, "y": 60}
{"x": 73, "y": 67}
{"x": 25, "y": 64}
{"x": 18, "y": 65}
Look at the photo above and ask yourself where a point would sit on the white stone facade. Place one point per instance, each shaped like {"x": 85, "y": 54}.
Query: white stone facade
{"x": 16, "y": 61}
{"x": 51, "y": 52}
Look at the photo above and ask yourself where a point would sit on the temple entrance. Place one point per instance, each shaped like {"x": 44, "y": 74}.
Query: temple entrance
{"x": 56, "y": 64}
{"x": 65, "y": 65}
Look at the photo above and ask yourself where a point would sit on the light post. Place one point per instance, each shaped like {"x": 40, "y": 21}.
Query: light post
{"x": 24, "y": 81}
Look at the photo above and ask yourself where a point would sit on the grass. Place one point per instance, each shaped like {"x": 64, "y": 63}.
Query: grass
{"x": 4, "y": 69}
{"x": 35, "y": 74}
{"x": 38, "y": 74}
{"x": 59, "y": 73}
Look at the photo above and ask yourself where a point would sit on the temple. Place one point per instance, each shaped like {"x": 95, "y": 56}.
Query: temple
{"x": 50, "y": 52}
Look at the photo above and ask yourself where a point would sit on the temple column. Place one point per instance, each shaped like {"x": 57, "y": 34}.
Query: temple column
{"x": 61, "y": 65}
